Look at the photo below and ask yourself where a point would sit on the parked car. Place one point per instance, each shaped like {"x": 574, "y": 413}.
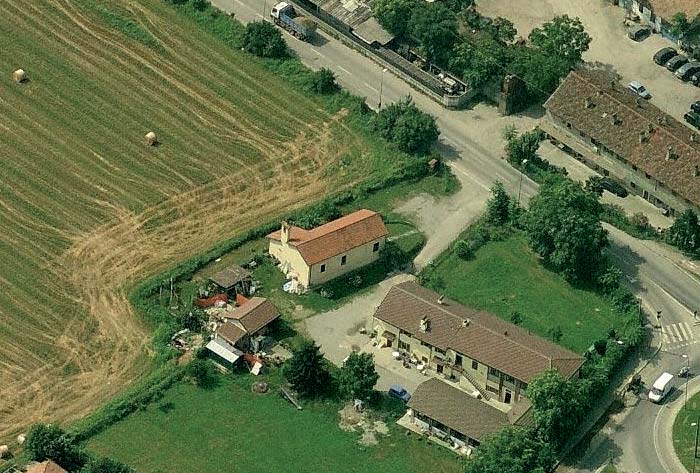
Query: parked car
{"x": 614, "y": 187}
{"x": 695, "y": 106}
{"x": 693, "y": 118}
{"x": 663, "y": 55}
{"x": 696, "y": 79}
{"x": 675, "y": 62}
{"x": 638, "y": 33}
{"x": 639, "y": 89}
{"x": 686, "y": 71}
{"x": 399, "y": 392}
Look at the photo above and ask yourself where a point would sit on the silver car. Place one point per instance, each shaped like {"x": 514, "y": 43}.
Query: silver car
{"x": 639, "y": 89}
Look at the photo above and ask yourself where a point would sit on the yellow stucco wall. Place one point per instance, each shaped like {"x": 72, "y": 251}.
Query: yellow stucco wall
{"x": 286, "y": 254}
{"x": 355, "y": 259}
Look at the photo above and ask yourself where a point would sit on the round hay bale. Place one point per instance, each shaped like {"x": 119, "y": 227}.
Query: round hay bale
{"x": 19, "y": 76}
{"x": 151, "y": 139}
{"x": 21, "y": 439}
{"x": 4, "y": 449}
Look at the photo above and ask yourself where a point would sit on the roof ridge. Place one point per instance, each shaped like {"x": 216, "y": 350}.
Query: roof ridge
{"x": 332, "y": 221}
{"x": 485, "y": 327}
{"x": 630, "y": 108}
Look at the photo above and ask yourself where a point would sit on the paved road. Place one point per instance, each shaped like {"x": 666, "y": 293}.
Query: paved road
{"x": 471, "y": 141}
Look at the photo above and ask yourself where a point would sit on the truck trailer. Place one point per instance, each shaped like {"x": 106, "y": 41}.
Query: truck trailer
{"x": 284, "y": 15}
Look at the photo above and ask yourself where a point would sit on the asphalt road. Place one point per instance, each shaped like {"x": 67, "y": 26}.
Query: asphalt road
{"x": 470, "y": 141}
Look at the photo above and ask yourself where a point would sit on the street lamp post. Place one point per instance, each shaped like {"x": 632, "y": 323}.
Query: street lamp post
{"x": 520, "y": 186}
{"x": 264, "y": 9}
{"x": 381, "y": 88}
{"x": 687, "y": 377}
{"x": 697, "y": 431}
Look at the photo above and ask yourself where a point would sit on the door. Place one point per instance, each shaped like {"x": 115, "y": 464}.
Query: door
{"x": 439, "y": 368}
{"x": 507, "y": 397}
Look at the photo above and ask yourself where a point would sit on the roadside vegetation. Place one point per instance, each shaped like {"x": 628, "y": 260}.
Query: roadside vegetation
{"x": 481, "y": 50}
{"x": 684, "y": 432}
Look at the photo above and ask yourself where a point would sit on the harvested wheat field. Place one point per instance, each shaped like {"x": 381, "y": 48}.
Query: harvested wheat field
{"x": 87, "y": 209}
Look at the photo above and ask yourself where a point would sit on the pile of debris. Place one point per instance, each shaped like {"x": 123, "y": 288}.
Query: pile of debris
{"x": 354, "y": 418}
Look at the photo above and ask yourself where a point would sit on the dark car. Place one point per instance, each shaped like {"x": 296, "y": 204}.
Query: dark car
{"x": 399, "y": 392}
{"x": 638, "y": 33}
{"x": 664, "y": 55}
{"x": 686, "y": 71}
{"x": 614, "y": 187}
{"x": 675, "y": 62}
{"x": 693, "y": 118}
{"x": 695, "y": 106}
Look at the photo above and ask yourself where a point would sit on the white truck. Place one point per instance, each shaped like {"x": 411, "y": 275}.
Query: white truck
{"x": 284, "y": 15}
{"x": 661, "y": 387}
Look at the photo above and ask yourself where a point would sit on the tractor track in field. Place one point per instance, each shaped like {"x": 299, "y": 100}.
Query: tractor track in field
{"x": 102, "y": 343}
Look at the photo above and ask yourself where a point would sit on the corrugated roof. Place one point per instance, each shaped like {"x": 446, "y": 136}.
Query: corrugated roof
{"x": 485, "y": 338}
{"x": 371, "y": 31}
{"x": 255, "y": 314}
{"x": 616, "y": 118}
{"x": 224, "y": 350}
{"x": 336, "y": 237}
{"x": 457, "y": 409}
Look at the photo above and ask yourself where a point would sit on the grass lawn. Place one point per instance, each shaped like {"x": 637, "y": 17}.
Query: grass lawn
{"x": 684, "y": 433}
{"x": 506, "y": 276}
{"x": 229, "y": 428}
{"x": 609, "y": 469}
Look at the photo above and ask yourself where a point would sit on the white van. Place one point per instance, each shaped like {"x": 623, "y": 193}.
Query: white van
{"x": 660, "y": 388}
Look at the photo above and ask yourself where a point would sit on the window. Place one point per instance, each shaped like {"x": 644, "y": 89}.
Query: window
{"x": 375, "y": 248}
{"x": 458, "y": 359}
{"x": 404, "y": 346}
{"x": 323, "y": 268}
{"x": 343, "y": 260}
{"x": 509, "y": 379}
{"x": 494, "y": 372}
{"x": 437, "y": 350}
{"x": 491, "y": 389}
{"x": 475, "y": 365}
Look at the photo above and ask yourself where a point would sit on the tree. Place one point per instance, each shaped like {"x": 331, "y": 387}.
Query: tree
{"x": 317, "y": 215}
{"x": 50, "y": 442}
{"x": 395, "y": 15}
{"x": 323, "y": 82}
{"x": 263, "y": 39}
{"x": 307, "y": 371}
{"x": 203, "y": 373}
{"x": 516, "y": 317}
{"x": 679, "y": 24}
{"x": 524, "y": 147}
{"x": 357, "y": 376}
{"x": 557, "y": 405}
{"x": 434, "y": 27}
{"x": 199, "y": 5}
{"x": 609, "y": 280}
{"x": 540, "y": 70}
{"x": 502, "y": 30}
{"x": 563, "y": 37}
{"x": 512, "y": 450}
{"x": 413, "y": 130}
{"x": 499, "y": 205}
{"x": 106, "y": 465}
{"x": 685, "y": 232}
{"x": 192, "y": 319}
{"x": 479, "y": 62}
{"x": 563, "y": 227}
{"x": 594, "y": 185}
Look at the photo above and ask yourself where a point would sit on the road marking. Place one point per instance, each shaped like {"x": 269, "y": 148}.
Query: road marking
{"x": 344, "y": 70}
{"x": 686, "y": 331}
{"x": 656, "y": 444}
{"x": 376, "y": 90}
{"x": 317, "y": 52}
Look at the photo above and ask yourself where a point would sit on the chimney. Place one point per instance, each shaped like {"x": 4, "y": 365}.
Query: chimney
{"x": 466, "y": 322}
{"x": 696, "y": 171}
{"x": 441, "y": 300}
{"x": 670, "y": 154}
{"x": 588, "y": 103}
{"x": 284, "y": 233}
{"x": 425, "y": 324}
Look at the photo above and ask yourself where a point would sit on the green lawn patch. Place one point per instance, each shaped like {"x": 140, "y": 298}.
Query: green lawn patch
{"x": 506, "y": 277}
{"x": 684, "y": 432}
{"x": 229, "y": 428}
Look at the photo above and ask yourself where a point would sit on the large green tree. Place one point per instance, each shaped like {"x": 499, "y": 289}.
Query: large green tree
{"x": 540, "y": 70}
{"x": 499, "y": 205}
{"x": 395, "y": 15}
{"x": 263, "y": 39}
{"x": 357, "y": 376}
{"x": 434, "y": 27}
{"x": 413, "y": 130}
{"x": 524, "y": 147}
{"x": 685, "y": 232}
{"x": 563, "y": 227}
{"x": 307, "y": 371}
{"x": 512, "y": 450}
{"x": 679, "y": 24}
{"x": 479, "y": 62}
{"x": 50, "y": 442}
{"x": 558, "y": 404}
{"x": 563, "y": 37}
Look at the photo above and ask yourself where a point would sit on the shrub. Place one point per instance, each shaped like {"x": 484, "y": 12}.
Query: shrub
{"x": 106, "y": 465}
{"x": 322, "y": 82}
{"x": 50, "y": 442}
{"x": 263, "y": 39}
{"x": 465, "y": 249}
{"x": 202, "y": 373}
{"x": 413, "y": 130}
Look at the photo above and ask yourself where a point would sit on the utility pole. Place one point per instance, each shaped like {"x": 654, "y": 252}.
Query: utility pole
{"x": 687, "y": 377}
{"x": 520, "y": 186}
{"x": 697, "y": 431}
{"x": 381, "y": 88}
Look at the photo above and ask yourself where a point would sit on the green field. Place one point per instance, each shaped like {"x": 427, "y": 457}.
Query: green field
{"x": 87, "y": 210}
{"x": 506, "y": 276}
{"x": 684, "y": 432}
{"x": 229, "y": 428}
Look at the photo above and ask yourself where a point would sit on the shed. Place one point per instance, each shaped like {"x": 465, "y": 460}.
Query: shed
{"x": 225, "y": 353}
{"x": 233, "y": 280}
{"x": 372, "y": 33}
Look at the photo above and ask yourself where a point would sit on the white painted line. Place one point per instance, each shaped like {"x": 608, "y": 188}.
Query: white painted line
{"x": 376, "y": 90}
{"x": 684, "y": 328}
{"x": 317, "y": 52}
{"x": 674, "y": 327}
{"x": 344, "y": 70}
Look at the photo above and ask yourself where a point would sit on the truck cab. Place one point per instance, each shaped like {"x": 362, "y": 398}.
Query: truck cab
{"x": 281, "y": 8}
{"x": 661, "y": 388}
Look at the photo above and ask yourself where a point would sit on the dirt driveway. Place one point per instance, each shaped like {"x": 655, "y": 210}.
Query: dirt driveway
{"x": 610, "y": 45}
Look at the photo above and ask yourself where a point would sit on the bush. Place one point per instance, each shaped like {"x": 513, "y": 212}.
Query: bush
{"x": 202, "y": 373}
{"x": 106, "y": 465}
{"x": 50, "y": 442}
{"x": 322, "y": 82}
{"x": 464, "y": 249}
{"x": 413, "y": 130}
{"x": 263, "y": 39}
